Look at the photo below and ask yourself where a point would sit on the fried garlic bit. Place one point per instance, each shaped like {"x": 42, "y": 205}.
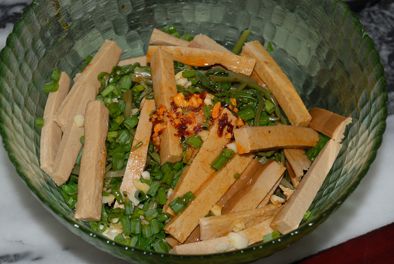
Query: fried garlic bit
{"x": 216, "y": 110}
{"x": 195, "y": 101}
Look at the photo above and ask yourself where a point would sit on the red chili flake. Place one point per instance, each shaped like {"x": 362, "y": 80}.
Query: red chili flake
{"x": 197, "y": 128}
{"x": 223, "y": 123}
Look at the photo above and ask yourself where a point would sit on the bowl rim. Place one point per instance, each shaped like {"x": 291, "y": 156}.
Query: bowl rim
{"x": 286, "y": 239}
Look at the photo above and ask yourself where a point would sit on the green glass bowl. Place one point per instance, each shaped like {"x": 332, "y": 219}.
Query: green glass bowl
{"x": 319, "y": 44}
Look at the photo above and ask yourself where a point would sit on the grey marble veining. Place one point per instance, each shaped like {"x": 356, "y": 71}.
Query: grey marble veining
{"x": 378, "y": 20}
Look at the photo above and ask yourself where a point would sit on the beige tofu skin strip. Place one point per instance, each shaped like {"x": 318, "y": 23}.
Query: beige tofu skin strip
{"x": 160, "y": 38}
{"x": 91, "y": 175}
{"x": 253, "y": 234}
{"x": 182, "y": 225}
{"x": 70, "y": 144}
{"x": 279, "y": 84}
{"x": 250, "y": 139}
{"x": 76, "y": 101}
{"x": 200, "y": 170}
{"x": 141, "y": 60}
{"x": 246, "y": 179}
{"x": 329, "y": 123}
{"x": 51, "y": 133}
{"x": 164, "y": 88}
{"x": 67, "y": 154}
{"x": 250, "y": 197}
{"x": 203, "y": 57}
{"x": 298, "y": 161}
{"x": 291, "y": 214}
{"x": 204, "y": 42}
{"x": 217, "y": 226}
{"x": 137, "y": 159}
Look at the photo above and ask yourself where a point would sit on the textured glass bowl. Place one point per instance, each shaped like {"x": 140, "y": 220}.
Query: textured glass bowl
{"x": 319, "y": 44}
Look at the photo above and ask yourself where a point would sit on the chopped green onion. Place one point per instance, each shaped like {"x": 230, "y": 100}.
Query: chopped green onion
{"x": 188, "y": 197}
{"x": 162, "y": 218}
{"x": 124, "y": 220}
{"x": 270, "y": 47}
{"x": 161, "y": 246}
{"x": 151, "y": 214}
{"x": 86, "y": 62}
{"x": 269, "y": 107}
{"x": 70, "y": 189}
{"x": 154, "y": 187}
{"x": 188, "y": 73}
{"x": 124, "y": 137}
{"x": 128, "y": 207}
{"x": 39, "y": 122}
{"x": 177, "y": 205}
{"x": 138, "y": 88}
{"x": 108, "y": 90}
{"x": 125, "y": 82}
{"x": 103, "y": 79}
{"x": 161, "y": 196}
{"x": 207, "y": 109}
{"x": 134, "y": 241}
{"x": 112, "y": 135}
{"x": 180, "y": 203}
{"x": 135, "y": 226}
{"x": 146, "y": 230}
{"x": 264, "y": 119}
{"x": 222, "y": 159}
{"x": 119, "y": 120}
{"x": 118, "y": 196}
{"x": 307, "y": 215}
{"x": 51, "y": 86}
{"x": 194, "y": 141}
{"x": 121, "y": 239}
{"x": 55, "y": 76}
{"x": 187, "y": 37}
{"x": 131, "y": 122}
{"x": 169, "y": 29}
{"x": 241, "y": 41}
{"x": 271, "y": 236}
{"x": 155, "y": 226}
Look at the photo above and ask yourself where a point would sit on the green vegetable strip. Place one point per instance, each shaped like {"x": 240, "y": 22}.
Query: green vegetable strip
{"x": 259, "y": 109}
{"x": 224, "y": 157}
{"x": 241, "y": 41}
{"x": 247, "y": 113}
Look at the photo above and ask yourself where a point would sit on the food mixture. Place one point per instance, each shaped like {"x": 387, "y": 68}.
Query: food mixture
{"x": 190, "y": 149}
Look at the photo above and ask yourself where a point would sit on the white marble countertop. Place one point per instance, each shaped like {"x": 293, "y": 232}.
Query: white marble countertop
{"x": 29, "y": 233}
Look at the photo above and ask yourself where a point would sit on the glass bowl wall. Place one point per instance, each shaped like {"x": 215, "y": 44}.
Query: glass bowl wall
{"x": 319, "y": 44}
